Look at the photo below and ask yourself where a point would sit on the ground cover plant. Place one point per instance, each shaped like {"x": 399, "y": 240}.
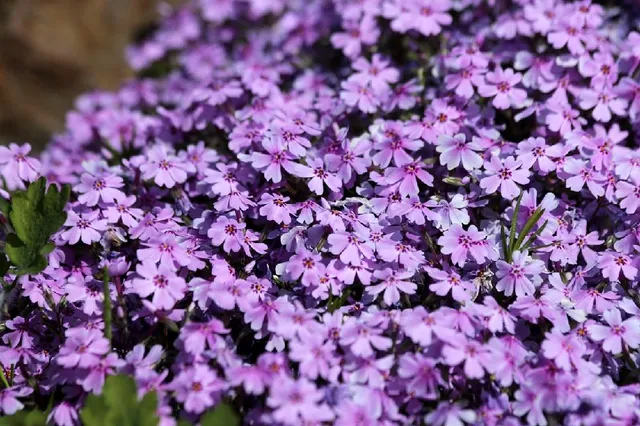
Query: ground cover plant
{"x": 371, "y": 212}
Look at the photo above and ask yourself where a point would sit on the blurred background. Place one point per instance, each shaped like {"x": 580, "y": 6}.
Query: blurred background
{"x": 53, "y": 50}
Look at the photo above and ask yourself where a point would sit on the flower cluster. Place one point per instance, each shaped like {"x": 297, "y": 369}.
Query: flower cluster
{"x": 367, "y": 212}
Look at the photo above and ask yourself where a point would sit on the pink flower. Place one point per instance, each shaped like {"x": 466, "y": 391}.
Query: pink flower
{"x": 307, "y": 265}
{"x": 164, "y": 249}
{"x": 406, "y": 177}
{"x": 319, "y": 176}
{"x": 500, "y": 85}
{"x": 86, "y": 227}
{"x": 352, "y": 247}
{"x": 392, "y": 142}
{"x": 298, "y": 401}
{"x": 357, "y": 33}
{"x": 569, "y": 32}
{"x": 99, "y": 186}
{"x": 521, "y": 275}
{"x": 357, "y": 93}
{"x": 161, "y": 281}
{"x": 421, "y": 326}
{"x": 612, "y": 264}
{"x": 459, "y": 349}
{"x": 393, "y": 282}
{"x": 455, "y": 150}
{"x": 275, "y": 208}
{"x": 363, "y": 336}
{"x": 583, "y": 174}
{"x": 428, "y": 19}
{"x": 17, "y": 167}
{"x": 617, "y": 332}
{"x": 277, "y": 158}
{"x": 165, "y": 168}
{"x": 460, "y": 244}
{"x": 603, "y": 102}
{"x": 629, "y": 195}
{"x": 227, "y": 233}
{"x": 565, "y": 349}
{"x": 504, "y": 174}
{"x": 377, "y": 73}
{"x": 122, "y": 210}
{"x": 450, "y": 281}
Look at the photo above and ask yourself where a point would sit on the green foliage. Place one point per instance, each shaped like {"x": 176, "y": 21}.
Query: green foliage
{"x": 513, "y": 243}
{"x": 34, "y": 215}
{"x": 25, "y": 418}
{"x": 222, "y": 415}
{"x": 118, "y": 405}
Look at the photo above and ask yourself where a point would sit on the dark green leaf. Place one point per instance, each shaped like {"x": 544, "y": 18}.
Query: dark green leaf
{"x": 222, "y": 415}
{"x": 5, "y": 207}
{"x": 118, "y": 405}
{"x": 514, "y": 224}
{"x": 25, "y": 418}
{"x": 4, "y": 265}
{"x": 528, "y": 226}
{"x": 36, "y": 216}
{"x": 47, "y": 248}
{"x": 26, "y": 259}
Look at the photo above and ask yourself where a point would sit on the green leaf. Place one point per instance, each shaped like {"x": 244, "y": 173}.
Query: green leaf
{"x": 53, "y": 207}
{"x": 25, "y": 418}
{"x": 118, "y": 405}
{"x": 528, "y": 226}
{"x": 47, "y": 248}
{"x": 222, "y": 415}
{"x": 5, "y": 207}
{"x": 514, "y": 224}
{"x": 36, "y": 215}
{"x": 4, "y": 265}
{"x": 27, "y": 260}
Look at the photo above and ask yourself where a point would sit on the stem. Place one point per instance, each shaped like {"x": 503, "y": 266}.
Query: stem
{"x": 3, "y": 377}
{"x": 107, "y": 305}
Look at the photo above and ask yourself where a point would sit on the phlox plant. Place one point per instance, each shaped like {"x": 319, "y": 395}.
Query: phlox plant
{"x": 337, "y": 212}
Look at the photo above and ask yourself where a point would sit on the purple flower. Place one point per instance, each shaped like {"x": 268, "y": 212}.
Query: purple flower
{"x": 427, "y": 19}
{"x": 83, "y": 348}
{"x": 17, "y": 167}
{"x": 352, "y": 247}
{"x": 9, "y": 402}
{"x": 617, "y": 332}
{"x": 227, "y": 233}
{"x": 612, "y": 264}
{"x": 500, "y": 85}
{"x": 275, "y": 208}
{"x": 504, "y": 174}
{"x": 165, "y": 168}
{"x": 604, "y": 102}
{"x": 460, "y": 244}
{"x": 566, "y": 350}
{"x": 454, "y": 150}
{"x": 86, "y": 227}
{"x": 459, "y": 349}
{"x": 449, "y": 281}
{"x": 99, "y": 186}
{"x": 520, "y": 276}
{"x": 160, "y": 281}
{"x": 296, "y": 401}
{"x": 377, "y": 73}
{"x": 393, "y": 282}
{"x": 319, "y": 176}
{"x": 277, "y": 158}
{"x": 357, "y": 93}
{"x": 447, "y": 414}
{"x": 197, "y": 387}
{"x": 357, "y": 33}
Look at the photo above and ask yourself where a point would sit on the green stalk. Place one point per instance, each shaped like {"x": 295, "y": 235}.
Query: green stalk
{"x": 107, "y": 305}
{"x": 514, "y": 224}
{"x": 535, "y": 235}
{"x": 527, "y": 228}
